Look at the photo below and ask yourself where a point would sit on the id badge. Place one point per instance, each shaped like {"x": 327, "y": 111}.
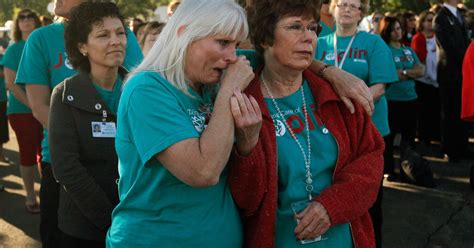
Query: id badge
{"x": 103, "y": 129}
{"x": 298, "y": 207}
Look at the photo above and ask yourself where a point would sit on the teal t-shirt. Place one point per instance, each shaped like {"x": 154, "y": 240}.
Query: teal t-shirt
{"x": 404, "y": 58}
{"x": 111, "y": 97}
{"x": 326, "y": 30}
{"x": 12, "y": 61}
{"x": 156, "y": 208}
{"x": 3, "y": 89}
{"x": 44, "y": 62}
{"x": 369, "y": 59}
{"x": 291, "y": 167}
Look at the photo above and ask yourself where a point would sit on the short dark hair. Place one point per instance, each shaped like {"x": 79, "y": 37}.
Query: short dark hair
{"x": 386, "y": 27}
{"x": 81, "y": 21}
{"x": 16, "y": 27}
{"x": 265, "y": 14}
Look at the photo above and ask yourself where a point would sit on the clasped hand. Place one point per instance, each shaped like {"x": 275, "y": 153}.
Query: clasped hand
{"x": 313, "y": 221}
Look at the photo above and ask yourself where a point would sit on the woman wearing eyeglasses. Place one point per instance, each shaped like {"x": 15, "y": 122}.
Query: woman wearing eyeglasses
{"x": 27, "y": 129}
{"x": 315, "y": 169}
{"x": 375, "y": 22}
{"x": 367, "y": 57}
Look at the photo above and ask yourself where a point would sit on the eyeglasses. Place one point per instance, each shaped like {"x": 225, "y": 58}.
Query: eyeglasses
{"x": 346, "y": 5}
{"x": 298, "y": 28}
{"x": 26, "y": 16}
{"x": 377, "y": 19}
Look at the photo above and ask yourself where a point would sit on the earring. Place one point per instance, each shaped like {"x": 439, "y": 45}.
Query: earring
{"x": 84, "y": 54}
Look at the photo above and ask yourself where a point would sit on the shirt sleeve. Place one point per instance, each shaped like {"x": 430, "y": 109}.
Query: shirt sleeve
{"x": 415, "y": 57}
{"x": 381, "y": 64}
{"x": 33, "y": 68}
{"x": 133, "y": 54}
{"x": 419, "y": 46}
{"x": 10, "y": 59}
{"x": 156, "y": 119}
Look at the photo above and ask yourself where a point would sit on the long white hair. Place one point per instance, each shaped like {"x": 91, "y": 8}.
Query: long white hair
{"x": 200, "y": 19}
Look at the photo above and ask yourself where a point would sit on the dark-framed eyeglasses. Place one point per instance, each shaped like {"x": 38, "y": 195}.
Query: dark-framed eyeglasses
{"x": 299, "y": 28}
{"x": 23, "y": 17}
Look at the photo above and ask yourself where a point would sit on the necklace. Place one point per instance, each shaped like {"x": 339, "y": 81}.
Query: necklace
{"x": 336, "y": 54}
{"x": 306, "y": 156}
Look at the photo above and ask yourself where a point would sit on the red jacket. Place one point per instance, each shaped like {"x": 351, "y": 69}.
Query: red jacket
{"x": 254, "y": 179}
{"x": 418, "y": 43}
{"x": 467, "y": 111}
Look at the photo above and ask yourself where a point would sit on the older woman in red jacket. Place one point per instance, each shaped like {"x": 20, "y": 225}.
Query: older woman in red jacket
{"x": 316, "y": 168}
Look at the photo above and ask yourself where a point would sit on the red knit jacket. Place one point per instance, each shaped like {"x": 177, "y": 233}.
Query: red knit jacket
{"x": 254, "y": 179}
{"x": 418, "y": 43}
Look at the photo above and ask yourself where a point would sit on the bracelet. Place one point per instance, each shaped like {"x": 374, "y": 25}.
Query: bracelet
{"x": 323, "y": 69}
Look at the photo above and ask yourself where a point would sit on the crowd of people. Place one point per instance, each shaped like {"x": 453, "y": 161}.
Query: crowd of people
{"x": 262, "y": 124}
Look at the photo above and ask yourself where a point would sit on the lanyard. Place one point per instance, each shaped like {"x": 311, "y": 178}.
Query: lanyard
{"x": 336, "y": 55}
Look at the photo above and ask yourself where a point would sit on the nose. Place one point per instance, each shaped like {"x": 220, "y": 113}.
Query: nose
{"x": 231, "y": 56}
{"x": 309, "y": 35}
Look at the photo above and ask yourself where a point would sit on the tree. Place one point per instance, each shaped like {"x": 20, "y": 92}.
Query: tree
{"x": 9, "y": 7}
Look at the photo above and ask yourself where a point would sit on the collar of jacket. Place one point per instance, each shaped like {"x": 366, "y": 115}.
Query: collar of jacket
{"x": 321, "y": 90}
{"x": 80, "y": 93}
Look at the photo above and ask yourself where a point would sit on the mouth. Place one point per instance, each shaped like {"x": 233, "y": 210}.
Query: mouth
{"x": 305, "y": 53}
{"x": 115, "y": 52}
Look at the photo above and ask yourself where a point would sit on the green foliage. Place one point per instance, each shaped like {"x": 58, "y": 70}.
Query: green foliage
{"x": 145, "y": 8}
{"x": 9, "y": 7}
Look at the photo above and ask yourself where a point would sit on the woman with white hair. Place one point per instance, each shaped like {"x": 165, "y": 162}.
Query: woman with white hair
{"x": 176, "y": 131}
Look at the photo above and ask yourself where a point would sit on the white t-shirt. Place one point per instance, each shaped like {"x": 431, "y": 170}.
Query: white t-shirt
{"x": 431, "y": 63}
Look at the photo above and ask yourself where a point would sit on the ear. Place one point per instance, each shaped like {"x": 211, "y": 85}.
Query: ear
{"x": 181, "y": 29}
{"x": 82, "y": 48}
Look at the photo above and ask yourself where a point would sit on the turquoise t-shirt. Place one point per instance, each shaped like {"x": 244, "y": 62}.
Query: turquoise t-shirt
{"x": 156, "y": 208}
{"x": 291, "y": 167}
{"x": 369, "y": 59}
{"x": 3, "y": 89}
{"x": 404, "y": 58}
{"x": 12, "y": 61}
{"x": 326, "y": 30}
{"x": 44, "y": 62}
{"x": 111, "y": 97}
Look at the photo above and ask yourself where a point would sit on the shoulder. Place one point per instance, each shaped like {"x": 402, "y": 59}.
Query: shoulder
{"x": 366, "y": 37}
{"x": 46, "y": 32}
{"x": 325, "y": 39}
{"x": 58, "y": 92}
{"x": 148, "y": 83}
{"x": 321, "y": 89}
{"x": 12, "y": 50}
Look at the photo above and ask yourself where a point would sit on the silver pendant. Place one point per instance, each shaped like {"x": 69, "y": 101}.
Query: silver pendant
{"x": 325, "y": 131}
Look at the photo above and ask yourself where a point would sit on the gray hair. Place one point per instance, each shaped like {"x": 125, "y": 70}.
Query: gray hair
{"x": 201, "y": 19}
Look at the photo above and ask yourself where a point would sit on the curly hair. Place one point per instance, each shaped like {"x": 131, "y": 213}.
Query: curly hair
{"x": 80, "y": 24}
{"x": 264, "y": 15}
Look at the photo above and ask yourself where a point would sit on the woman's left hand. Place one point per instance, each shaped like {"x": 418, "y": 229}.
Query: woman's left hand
{"x": 248, "y": 121}
{"x": 313, "y": 221}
